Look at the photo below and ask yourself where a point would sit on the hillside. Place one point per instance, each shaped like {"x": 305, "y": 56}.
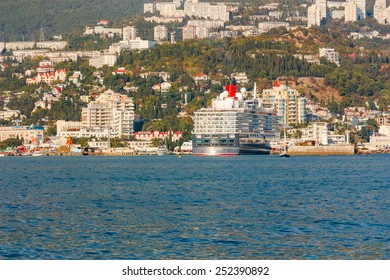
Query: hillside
{"x": 22, "y": 19}
{"x": 315, "y": 87}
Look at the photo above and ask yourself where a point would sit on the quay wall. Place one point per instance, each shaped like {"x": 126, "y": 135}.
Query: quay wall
{"x": 321, "y": 150}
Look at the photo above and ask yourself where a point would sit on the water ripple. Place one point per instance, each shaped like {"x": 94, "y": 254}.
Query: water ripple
{"x": 195, "y": 208}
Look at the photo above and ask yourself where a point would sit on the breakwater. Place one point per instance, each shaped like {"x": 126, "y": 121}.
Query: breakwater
{"x": 321, "y": 150}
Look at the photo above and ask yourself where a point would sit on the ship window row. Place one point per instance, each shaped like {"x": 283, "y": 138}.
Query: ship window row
{"x": 214, "y": 142}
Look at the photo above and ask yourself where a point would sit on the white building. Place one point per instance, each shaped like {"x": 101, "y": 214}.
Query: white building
{"x": 316, "y": 13}
{"x": 129, "y": 33}
{"x": 313, "y": 16}
{"x": 335, "y": 4}
{"x": 361, "y": 8}
{"x": 68, "y": 125}
{"x": 150, "y": 8}
{"x": 202, "y": 32}
{"x": 351, "y": 12}
{"x": 215, "y": 11}
{"x": 160, "y": 33}
{"x": 266, "y": 26}
{"x": 330, "y": 54}
{"x": 206, "y": 23}
{"x": 26, "y": 133}
{"x": 48, "y": 77}
{"x": 105, "y": 59}
{"x": 101, "y": 30}
{"x": 112, "y": 111}
{"x": 166, "y": 9}
{"x": 319, "y": 133}
{"x": 337, "y": 14}
{"x": 287, "y": 102}
{"x": 241, "y": 78}
{"x": 137, "y": 44}
{"x": 382, "y": 139}
{"x": 382, "y": 11}
{"x": 189, "y": 32}
{"x": 9, "y": 114}
{"x": 53, "y": 45}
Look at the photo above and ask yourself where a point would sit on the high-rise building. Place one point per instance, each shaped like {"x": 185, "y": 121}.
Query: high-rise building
{"x": 361, "y": 8}
{"x": 215, "y": 11}
{"x": 351, "y": 12}
{"x": 317, "y": 13}
{"x": 110, "y": 110}
{"x": 160, "y": 33}
{"x": 382, "y": 11}
{"x": 189, "y": 32}
{"x": 289, "y": 105}
{"x": 323, "y": 6}
{"x": 129, "y": 33}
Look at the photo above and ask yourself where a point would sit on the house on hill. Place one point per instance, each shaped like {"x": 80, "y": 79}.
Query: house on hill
{"x": 48, "y": 77}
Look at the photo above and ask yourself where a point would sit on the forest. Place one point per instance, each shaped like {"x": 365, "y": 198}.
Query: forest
{"x": 23, "y": 19}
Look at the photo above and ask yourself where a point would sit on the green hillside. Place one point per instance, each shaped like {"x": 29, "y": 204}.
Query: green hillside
{"x": 23, "y": 18}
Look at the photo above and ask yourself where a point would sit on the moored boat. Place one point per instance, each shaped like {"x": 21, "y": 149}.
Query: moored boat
{"x": 163, "y": 150}
{"x": 37, "y": 154}
{"x": 284, "y": 152}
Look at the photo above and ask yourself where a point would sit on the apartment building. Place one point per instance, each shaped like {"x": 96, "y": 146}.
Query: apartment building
{"x": 266, "y": 26}
{"x": 330, "y": 54}
{"x": 351, "y": 12}
{"x": 161, "y": 33}
{"x": 213, "y": 11}
{"x": 23, "y": 45}
{"x": 27, "y": 133}
{"x": 189, "y": 32}
{"x": 105, "y": 59}
{"x": 382, "y": 11}
{"x": 111, "y": 111}
{"x": 287, "y": 102}
{"x": 129, "y": 33}
{"x": 206, "y": 23}
{"x": 316, "y": 13}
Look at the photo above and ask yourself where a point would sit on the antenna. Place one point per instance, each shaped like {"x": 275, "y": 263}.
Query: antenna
{"x": 41, "y": 35}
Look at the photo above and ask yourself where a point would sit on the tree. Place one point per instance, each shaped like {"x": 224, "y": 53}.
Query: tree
{"x": 10, "y": 142}
{"x": 157, "y": 142}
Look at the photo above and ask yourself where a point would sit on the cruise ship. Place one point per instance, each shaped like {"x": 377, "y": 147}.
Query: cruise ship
{"x": 234, "y": 125}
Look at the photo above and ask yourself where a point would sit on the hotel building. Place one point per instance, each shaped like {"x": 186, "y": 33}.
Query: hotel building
{"x": 287, "y": 102}
{"x": 110, "y": 110}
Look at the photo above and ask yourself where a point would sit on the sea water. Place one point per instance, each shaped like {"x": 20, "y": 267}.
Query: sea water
{"x": 151, "y": 207}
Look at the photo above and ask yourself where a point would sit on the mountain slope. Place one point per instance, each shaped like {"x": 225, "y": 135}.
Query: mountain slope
{"x": 23, "y": 18}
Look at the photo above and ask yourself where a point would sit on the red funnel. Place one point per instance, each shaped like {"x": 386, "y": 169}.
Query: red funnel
{"x": 231, "y": 88}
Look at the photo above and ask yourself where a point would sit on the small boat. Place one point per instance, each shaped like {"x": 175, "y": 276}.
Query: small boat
{"x": 163, "y": 150}
{"x": 37, "y": 154}
{"x": 85, "y": 152}
{"x": 284, "y": 153}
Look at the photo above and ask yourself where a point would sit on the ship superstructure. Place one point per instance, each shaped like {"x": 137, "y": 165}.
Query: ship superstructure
{"x": 234, "y": 125}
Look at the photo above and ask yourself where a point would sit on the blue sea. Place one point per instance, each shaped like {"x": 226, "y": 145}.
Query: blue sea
{"x": 151, "y": 207}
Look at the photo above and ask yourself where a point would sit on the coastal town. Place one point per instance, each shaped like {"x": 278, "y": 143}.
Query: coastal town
{"x": 116, "y": 91}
